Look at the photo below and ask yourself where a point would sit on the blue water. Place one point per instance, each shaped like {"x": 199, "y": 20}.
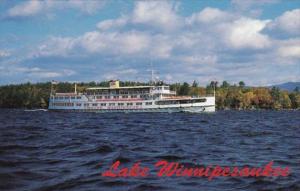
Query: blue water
{"x": 43, "y": 150}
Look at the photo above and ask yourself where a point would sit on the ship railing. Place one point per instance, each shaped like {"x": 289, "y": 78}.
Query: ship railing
{"x": 111, "y": 94}
{"x": 201, "y": 96}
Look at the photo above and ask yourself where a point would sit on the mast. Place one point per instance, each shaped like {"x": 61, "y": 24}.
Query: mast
{"x": 152, "y": 73}
{"x": 152, "y": 76}
{"x": 75, "y": 91}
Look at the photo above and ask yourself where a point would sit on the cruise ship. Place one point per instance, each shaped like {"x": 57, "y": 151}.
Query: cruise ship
{"x": 154, "y": 98}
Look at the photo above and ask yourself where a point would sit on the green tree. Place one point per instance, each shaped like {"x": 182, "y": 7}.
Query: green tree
{"x": 233, "y": 98}
{"x": 242, "y": 84}
{"x": 225, "y": 84}
{"x": 195, "y": 84}
{"x": 295, "y": 100}
{"x": 29, "y": 95}
{"x": 184, "y": 89}
{"x": 285, "y": 100}
{"x": 220, "y": 98}
{"x": 246, "y": 100}
{"x": 275, "y": 93}
{"x": 262, "y": 98}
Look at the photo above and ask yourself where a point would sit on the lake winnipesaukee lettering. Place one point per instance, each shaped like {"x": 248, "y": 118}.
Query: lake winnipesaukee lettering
{"x": 169, "y": 169}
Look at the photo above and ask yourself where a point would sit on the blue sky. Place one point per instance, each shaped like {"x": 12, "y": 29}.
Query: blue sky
{"x": 254, "y": 41}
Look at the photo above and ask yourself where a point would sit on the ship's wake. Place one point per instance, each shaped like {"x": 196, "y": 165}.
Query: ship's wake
{"x": 36, "y": 110}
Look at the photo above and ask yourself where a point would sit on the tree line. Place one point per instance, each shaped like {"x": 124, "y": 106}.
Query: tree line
{"x": 236, "y": 96}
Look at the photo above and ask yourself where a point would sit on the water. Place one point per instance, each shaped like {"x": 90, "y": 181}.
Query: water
{"x": 42, "y": 150}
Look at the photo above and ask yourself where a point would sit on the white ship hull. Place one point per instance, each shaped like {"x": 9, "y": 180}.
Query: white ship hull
{"x": 208, "y": 106}
{"x": 158, "y": 110}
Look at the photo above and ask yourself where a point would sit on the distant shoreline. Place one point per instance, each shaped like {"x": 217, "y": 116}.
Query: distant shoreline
{"x": 228, "y": 96}
{"x": 231, "y": 109}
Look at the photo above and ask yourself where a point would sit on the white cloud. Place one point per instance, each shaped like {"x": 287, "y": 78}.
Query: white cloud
{"x": 161, "y": 46}
{"x": 55, "y": 46}
{"x": 251, "y": 8}
{"x": 211, "y": 43}
{"x": 128, "y": 71}
{"x": 35, "y": 7}
{"x": 27, "y": 8}
{"x": 246, "y": 33}
{"x": 4, "y": 53}
{"x": 113, "y": 43}
{"x": 133, "y": 42}
{"x": 46, "y": 74}
{"x": 87, "y": 6}
{"x": 114, "y": 39}
{"x": 208, "y": 15}
{"x": 248, "y": 4}
{"x": 121, "y": 73}
{"x": 112, "y": 23}
{"x": 288, "y": 22}
{"x": 35, "y": 72}
{"x": 236, "y": 31}
{"x": 168, "y": 77}
{"x": 94, "y": 41}
{"x": 290, "y": 48}
{"x": 199, "y": 59}
{"x": 290, "y": 51}
{"x": 41, "y": 73}
{"x": 160, "y": 14}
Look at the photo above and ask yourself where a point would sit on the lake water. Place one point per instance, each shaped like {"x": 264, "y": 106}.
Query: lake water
{"x": 41, "y": 150}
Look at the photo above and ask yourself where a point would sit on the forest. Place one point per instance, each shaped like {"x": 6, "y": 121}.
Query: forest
{"x": 228, "y": 96}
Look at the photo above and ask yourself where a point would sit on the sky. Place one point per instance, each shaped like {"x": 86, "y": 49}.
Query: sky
{"x": 257, "y": 42}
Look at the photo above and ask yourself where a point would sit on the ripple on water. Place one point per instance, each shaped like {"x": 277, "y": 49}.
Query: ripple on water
{"x": 68, "y": 151}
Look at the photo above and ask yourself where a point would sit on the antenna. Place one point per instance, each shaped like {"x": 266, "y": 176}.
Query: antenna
{"x": 152, "y": 73}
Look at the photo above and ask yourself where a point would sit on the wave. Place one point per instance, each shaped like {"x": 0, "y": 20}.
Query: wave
{"x": 36, "y": 110}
